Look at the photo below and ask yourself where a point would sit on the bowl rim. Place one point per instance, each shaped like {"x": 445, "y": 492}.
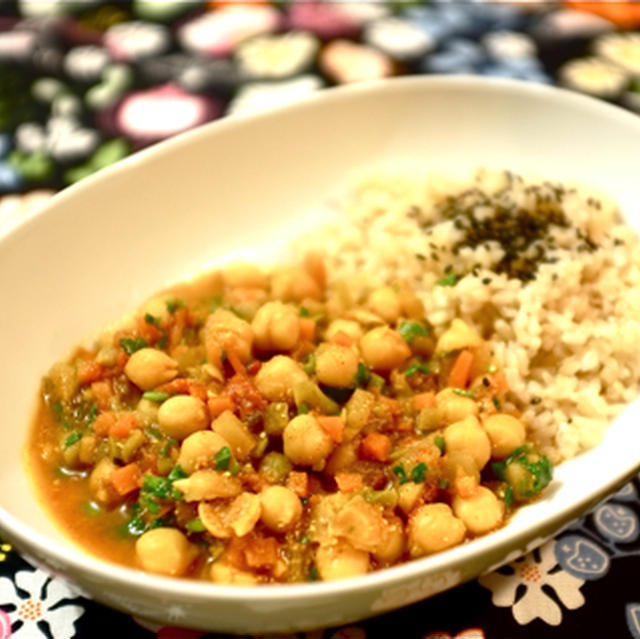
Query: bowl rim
{"x": 74, "y": 557}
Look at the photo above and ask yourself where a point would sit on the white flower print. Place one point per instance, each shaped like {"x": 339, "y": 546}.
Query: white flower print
{"x": 533, "y": 575}
{"x": 42, "y": 603}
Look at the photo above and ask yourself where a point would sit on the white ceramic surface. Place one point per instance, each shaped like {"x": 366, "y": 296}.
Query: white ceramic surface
{"x": 245, "y": 184}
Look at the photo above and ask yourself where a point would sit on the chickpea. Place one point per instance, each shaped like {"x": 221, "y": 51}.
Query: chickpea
{"x": 223, "y": 572}
{"x": 506, "y": 434}
{"x": 198, "y": 449}
{"x": 432, "y": 528}
{"x": 100, "y": 485}
{"x": 295, "y": 284}
{"x": 276, "y": 327}
{"x": 349, "y": 327}
{"x": 243, "y": 275}
{"x": 235, "y": 432}
{"x": 467, "y": 436}
{"x": 305, "y": 441}
{"x": 225, "y": 330}
{"x": 385, "y": 302}
{"x": 393, "y": 546}
{"x": 341, "y": 560}
{"x": 182, "y": 415}
{"x": 277, "y": 377}
{"x": 383, "y": 349}
{"x": 459, "y": 335}
{"x": 150, "y": 367}
{"x": 281, "y": 508}
{"x": 165, "y": 551}
{"x": 336, "y": 365}
{"x": 453, "y": 407}
{"x": 481, "y": 512}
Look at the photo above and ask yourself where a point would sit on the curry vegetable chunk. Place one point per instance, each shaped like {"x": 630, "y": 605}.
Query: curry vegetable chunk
{"x": 253, "y": 428}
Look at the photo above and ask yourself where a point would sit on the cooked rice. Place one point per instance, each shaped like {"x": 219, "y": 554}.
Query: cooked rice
{"x": 566, "y": 338}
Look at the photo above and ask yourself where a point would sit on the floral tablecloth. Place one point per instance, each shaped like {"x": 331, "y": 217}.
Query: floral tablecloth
{"x": 84, "y": 84}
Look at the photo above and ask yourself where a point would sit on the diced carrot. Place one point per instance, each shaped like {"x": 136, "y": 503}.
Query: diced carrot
{"x": 348, "y": 482}
{"x": 332, "y": 424}
{"x": 184, "y": 386}
{"x": 236, "y": 362}
{"x": 88, "y": 370}
{"x": 466, "y": 486}
{"x": 499, "y": 383}
{"x": 342, "y": 339}
{"x": 424, "y": 400}
{"x": 375, "y": 446}
{"x": 314, "y": 265}
{"x": 261, "y": 552}
{"x": 104, "y": 423}
{"x": 298, "y": 482}
{"x": 217, "y": 405}
{"x": 103, "y": 393}
{"x": 459, "y": 374}
{"x": 126, "y": 479}
{"x": 124, "y": 425}
{"x": 307, "y": 329}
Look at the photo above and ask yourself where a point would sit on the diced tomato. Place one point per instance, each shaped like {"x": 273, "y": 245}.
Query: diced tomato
{"x": 104, "y": 423}
{"x": 348, "y": 482}
{"x": 124, "y": 425}
{"x": 126, "y": 479}
{"x": 307, "y": 329}
{"x": 103, "y": 393}
{"x": 376, "y": 447}
{"x": 332, "y": 424}
{"x": 298, "y": 482}
{"x": 88, "y": 371}
{"x": 424, "y": 400}
{"x": 217, "y": 405}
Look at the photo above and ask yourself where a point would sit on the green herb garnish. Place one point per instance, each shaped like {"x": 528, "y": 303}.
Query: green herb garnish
{"x": 151, "y": 319}
{"x": 309, "y": 364}
{"x": 451, "y": 279}
{"x": 438, "y": 440}
{"x": 417, "y": 367}
{"x": 133, "y": 344}
{"x": 496, "y": 403}
{"x": 410, "y": 330}
{"x": 464, "y": 393}
{"x": 174, "y": 305}
{"x": 418, "y": 473}
{"x": 223, "y": 458}
{"x": 72, "y": 439}
{"x": 304, "y": 312}
{"x": 400, "y": 473}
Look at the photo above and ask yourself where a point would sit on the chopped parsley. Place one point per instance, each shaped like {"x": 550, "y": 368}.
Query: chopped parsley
{"x": 174, "y": 305}
{"x": 304, "y": 408}
{"x": 133, "y": 344}
{"x": 450, "y": 279}
{"x": 72, "y": 439}
{"x": 151, "y": 319}
{"x": 418, "y": 473}
{"x": 538, "y": 467}
{"x": 314, "y": 575}
{"x": 410, "y": 330}
{"x": 443, "y": 484}
{"x": 304, "y": 312}
{"x": 223, "y": 458}
{"x": 418, "y": 367}
{"x": 439, "y": 442}
{"x": 464, "y": 393}
{"x": 497, "y": 403}
{"x": 400, "y": 473}
{"x": 309, "y": 364}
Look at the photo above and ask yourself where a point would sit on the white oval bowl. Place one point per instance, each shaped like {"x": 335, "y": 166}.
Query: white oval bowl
{"x": 246, "y": 185}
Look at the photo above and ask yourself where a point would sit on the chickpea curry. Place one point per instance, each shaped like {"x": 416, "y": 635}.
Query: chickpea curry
{"x": 254, "y": 428}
